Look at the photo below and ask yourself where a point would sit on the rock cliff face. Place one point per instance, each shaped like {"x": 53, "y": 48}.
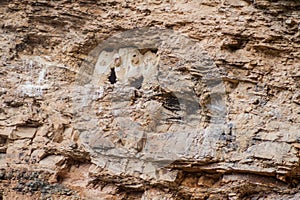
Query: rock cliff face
{"x": 156, "y": 99}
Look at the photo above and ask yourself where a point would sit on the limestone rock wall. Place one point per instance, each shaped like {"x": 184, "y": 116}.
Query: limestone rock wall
{"x": 203, "y": 103}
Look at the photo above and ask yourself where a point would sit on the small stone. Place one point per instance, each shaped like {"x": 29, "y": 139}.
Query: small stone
{"x": 23, "y": 133}
{"x": 52, "y": 161}
{"x": 288, "y": 21}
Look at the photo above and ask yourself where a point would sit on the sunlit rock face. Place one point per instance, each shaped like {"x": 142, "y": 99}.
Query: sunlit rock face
{"x": 201, "y": 103}
{"x": 126, "y": 66}
{"x": 139, "y": 106}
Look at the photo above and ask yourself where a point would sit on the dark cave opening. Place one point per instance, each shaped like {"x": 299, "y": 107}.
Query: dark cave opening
{"x": 112, "y": 77}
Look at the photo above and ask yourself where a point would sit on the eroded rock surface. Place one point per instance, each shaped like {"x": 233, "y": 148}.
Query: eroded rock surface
{"x": 149, "y": 99}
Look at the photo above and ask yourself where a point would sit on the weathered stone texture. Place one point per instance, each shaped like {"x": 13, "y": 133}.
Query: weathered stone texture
{"x": 211, "y": 113}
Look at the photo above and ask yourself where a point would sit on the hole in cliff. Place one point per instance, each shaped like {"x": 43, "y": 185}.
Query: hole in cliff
{"x": 59, "y": 178}
{"x": 153, "y": 50}
{"x": 169, "y": 100}
{"x": 112, "y": 77}
{"x": 235, "y": 44}
{"x": 3, "y": 143}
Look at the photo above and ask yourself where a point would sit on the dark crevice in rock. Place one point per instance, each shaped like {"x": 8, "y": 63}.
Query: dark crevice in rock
{"x": 168, "y": 100}
{"x": 143, "y": 51}
{"x": 235, "y": 44}
{"x": 171, "y": 102}
{"x": 112, "y": 77}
